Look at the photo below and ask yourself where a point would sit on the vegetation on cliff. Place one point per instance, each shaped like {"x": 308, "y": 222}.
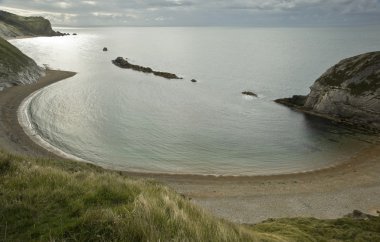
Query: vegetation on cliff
{"x": 49, "y": 200}
{"x": 360, "y": 74}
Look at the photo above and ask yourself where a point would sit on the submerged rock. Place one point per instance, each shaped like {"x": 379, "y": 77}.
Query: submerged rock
{"x": 123, "y": 63}
{"x": 62, "y": 34}
{"x": 249, "y": 93}
{"x": 105, "y": 49}
{"x": 348, "y": 92}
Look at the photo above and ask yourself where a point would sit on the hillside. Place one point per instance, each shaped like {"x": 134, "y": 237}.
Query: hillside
{"x": 15, "y": 67}
{"x": 12, "y": 25}
{"x": 348, "y": 92}
{"x": 48, "y": 200}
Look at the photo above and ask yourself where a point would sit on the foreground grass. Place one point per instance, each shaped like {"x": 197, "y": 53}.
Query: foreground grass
{"x": 45, "y": 200}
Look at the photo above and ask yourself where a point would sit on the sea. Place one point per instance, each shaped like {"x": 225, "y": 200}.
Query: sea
{"x": 127, "y": 120}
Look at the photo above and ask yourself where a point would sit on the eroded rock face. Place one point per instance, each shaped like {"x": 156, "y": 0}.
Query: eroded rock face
{"x": 348, "y": 91}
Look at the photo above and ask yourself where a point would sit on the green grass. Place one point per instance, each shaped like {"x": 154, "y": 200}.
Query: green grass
{"x": 52, "y": 200}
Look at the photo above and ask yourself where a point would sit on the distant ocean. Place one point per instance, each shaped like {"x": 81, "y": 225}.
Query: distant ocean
{"x": 127, "y": 120}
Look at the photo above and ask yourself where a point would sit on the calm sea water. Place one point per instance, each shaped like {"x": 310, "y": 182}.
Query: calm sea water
{"x": 132, "y": 121}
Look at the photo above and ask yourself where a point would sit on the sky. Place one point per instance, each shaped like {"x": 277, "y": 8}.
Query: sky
{"x": 257, "y": 13}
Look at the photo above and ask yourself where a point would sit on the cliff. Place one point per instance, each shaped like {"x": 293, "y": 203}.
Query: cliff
{"x": 348, "y": 92}
{"x": 15, "y": 67}
{"x": 12, "y": 25}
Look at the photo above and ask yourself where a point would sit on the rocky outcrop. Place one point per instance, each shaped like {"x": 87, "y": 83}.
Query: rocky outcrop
{"x": 347, "y": 92}
{"x": 12, "y": 25}
{"x": 15, "y": 67}
{"x": 123, "y": 63}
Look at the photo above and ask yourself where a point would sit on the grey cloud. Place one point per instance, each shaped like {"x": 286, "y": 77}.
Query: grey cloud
{"x": 198, "y": 12}
{"x": 295, "y": 5}
{"x": 171, "y": 4}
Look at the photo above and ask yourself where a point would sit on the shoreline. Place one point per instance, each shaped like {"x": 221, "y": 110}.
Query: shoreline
{"x": 364, "y": 128}
{"x": 13, "y": 139}
{"x": 245, "y": 199}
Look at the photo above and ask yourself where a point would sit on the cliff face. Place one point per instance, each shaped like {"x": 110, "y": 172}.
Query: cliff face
{"x": 15, "y": 67}
{"x": 12, "y": 25}
{"x": 348, "y": 91}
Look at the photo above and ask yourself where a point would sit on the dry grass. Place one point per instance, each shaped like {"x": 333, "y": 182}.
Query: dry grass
{"x": 50, "y": 200}
{"x": 43, "y": 201}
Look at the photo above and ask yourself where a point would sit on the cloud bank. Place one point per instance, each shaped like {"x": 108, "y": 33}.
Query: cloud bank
{"x": 200, "y": 13}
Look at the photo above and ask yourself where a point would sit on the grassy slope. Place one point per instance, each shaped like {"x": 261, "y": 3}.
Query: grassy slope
{"x": 45, "y": 200}
{"x": 12, "y": 58}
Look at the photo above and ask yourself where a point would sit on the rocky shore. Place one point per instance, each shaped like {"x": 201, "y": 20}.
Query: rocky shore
{"x": 348, "y": 92}
{"x": 123, "y": 63}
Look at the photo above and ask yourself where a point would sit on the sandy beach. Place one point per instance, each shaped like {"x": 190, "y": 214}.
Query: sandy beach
{"x": 12, "y": 137}
{"x": 327, "y": 193}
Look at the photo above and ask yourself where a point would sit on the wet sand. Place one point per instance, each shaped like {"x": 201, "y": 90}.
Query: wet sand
{"x": 327, "y": 193}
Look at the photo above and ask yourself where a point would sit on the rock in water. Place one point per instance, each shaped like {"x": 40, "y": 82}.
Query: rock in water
{"x": 105, "y": 49}
{"x": 347, "y": 92}
{"x": 123, "y": 63}
{"x": 193, "y": 80}
{"x": 249, "y": 93}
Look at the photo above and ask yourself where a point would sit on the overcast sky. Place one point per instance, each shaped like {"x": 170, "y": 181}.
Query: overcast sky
{"x": 274, "y": 13}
